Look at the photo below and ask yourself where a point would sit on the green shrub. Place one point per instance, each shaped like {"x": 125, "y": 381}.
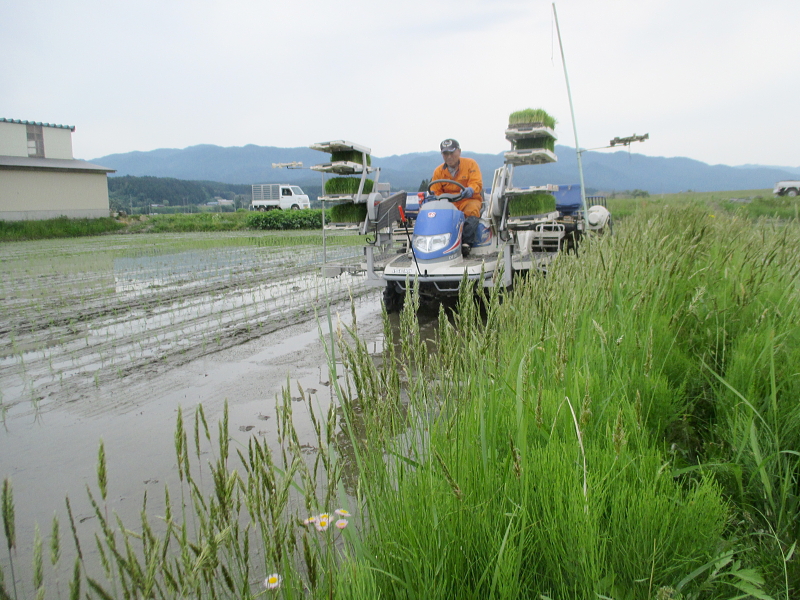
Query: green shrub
{"x": 286, "y": 219}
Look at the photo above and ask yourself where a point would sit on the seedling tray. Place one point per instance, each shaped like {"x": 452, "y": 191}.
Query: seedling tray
{"x": 520, "y": 132}
{"x": 342, "y": 168}
{"x": 531, "y": 156}
{"x": 340, "y": 146}
{"x": 531, "y": 190}
{"x": 344, "y": 198}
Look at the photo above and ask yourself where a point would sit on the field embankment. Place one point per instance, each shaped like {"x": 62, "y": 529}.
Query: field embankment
{"x": 626, "y": 427}
{"x": 208, "y": 222}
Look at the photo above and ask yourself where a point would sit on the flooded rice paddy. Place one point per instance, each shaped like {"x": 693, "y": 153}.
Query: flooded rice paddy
{"x": 105, "y": 337}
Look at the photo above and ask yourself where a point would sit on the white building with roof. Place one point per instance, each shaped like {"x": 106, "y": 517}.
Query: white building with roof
{"x": 40, "y": 179}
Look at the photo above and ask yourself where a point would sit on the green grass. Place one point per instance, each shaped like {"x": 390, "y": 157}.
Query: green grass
{"x": 347, "y": 185}
{"x": 182, "y": 223}
{"x": 532, "y": 116}
{"x": 622, "y": 206}
{"x": 56, "y": 228}
{"x": 626, "y": 427}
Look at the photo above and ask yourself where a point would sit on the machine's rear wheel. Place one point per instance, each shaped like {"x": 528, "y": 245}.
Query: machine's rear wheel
{"x": 393, "y": 297}
{"x": 791, "y": 193}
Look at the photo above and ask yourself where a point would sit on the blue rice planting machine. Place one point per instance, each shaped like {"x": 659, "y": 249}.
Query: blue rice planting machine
{"x": 402, "y": 250}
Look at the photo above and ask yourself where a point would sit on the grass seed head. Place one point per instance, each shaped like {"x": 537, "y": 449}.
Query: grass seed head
{"x": 102, "y": 474}
{"x": 8, "y": 514}
{"x": 620, "y": 438}
{"x": 55, "y": 542}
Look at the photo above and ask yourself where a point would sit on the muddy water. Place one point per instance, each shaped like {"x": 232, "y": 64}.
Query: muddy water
{"x": 109, "y": 344}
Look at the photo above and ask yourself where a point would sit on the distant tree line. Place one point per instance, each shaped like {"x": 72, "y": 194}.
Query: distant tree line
{"x": 138, "y": 194}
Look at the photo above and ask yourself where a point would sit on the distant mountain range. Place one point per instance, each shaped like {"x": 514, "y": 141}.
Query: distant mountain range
{"x": 603, "y": 171}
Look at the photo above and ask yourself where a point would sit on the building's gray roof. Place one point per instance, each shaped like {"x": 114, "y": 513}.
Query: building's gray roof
{"x": 51, "y": 164}
{"x": 70, "y": 127}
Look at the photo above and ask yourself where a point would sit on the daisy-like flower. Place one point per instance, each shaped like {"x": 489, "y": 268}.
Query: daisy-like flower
{"x": 341, "y": 523}
{"x": 324, "y": 517}
{"x": 343, "y": 512}
{"x": 310, "y": 520}
{"x": 273, "y": 582}
{"x": 322, "y": 524}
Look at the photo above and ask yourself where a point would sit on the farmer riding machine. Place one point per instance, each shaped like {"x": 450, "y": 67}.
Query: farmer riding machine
{"x": 520, "y": 229}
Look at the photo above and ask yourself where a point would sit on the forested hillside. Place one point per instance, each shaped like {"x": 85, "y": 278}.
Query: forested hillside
{"x": 132, "y": 194}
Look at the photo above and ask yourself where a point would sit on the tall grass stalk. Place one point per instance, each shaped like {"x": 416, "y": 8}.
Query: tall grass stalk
{"x": 9, "y": 527}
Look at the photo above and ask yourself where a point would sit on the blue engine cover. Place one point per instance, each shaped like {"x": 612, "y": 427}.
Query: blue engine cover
{"x": 435, "y": 218}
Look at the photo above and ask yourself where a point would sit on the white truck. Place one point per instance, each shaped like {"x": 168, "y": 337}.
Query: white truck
{"x": 787, "y": 188}
{"x": 267, "y": 196}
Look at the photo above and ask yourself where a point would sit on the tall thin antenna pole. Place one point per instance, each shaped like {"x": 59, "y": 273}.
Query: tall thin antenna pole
{"x": 572, "y": 113}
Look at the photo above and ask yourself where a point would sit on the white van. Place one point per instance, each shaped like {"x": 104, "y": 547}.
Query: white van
{"x": 267, "y": 196}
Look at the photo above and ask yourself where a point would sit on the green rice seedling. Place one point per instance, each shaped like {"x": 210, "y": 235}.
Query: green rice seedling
{"x": 531, "y": 204}
{"x": 347, "y": 185}
{"x": 347, "y": 213}
{"x": 545, "y": 143}
{"x": 350, "y": 156}
{"x": 531, "y": 116}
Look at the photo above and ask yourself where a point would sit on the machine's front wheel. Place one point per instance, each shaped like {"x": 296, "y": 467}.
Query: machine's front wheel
{"x": 393, "y": 297}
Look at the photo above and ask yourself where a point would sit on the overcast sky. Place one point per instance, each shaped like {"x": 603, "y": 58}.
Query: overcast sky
{"x": 717, "y": 81}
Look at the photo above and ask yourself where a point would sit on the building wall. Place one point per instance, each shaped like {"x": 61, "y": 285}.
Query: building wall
{"x": 13, "y": 139}
{"x": 36, "y": 194}
{"x": 57, "y": 142}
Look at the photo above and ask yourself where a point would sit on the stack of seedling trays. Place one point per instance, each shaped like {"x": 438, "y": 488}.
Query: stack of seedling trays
{"x": 532, "y": 138}
{"x": 351, "y": 163}
{"x": 347, "y": 159}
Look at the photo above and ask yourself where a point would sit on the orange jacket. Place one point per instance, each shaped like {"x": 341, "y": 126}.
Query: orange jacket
{"x": 468, "y": 175}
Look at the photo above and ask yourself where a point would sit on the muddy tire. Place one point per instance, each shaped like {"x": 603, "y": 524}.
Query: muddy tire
{"x": 393, "y": 298}
{"x": 791, "y": 193}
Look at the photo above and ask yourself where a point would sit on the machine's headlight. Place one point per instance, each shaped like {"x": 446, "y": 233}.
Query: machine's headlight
{"x": 431, "y": 243}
